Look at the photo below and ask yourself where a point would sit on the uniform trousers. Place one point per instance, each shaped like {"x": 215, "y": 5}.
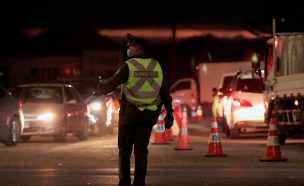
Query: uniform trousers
{"x": 135, "y": 128}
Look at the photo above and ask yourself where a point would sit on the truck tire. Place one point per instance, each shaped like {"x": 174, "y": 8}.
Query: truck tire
{"x": 282, "y": 138}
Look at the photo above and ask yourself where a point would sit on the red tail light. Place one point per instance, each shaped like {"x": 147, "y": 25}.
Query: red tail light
{"x": 20, "y": 102}
{"x": 241, "y": 103}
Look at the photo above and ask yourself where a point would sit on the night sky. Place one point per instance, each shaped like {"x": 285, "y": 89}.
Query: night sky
{"x": 120, "y": 14}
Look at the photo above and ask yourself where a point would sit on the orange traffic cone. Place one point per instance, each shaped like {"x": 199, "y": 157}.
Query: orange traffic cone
{"x": 193, "y": 117}
{"x": 199, "y": 113}
{"x": 273, "y": 152}
{"x": 160, "y": 129}
{"x": 183, "y": 139}
{"x": 214, "y": 145}
{"x": 168, "y": 133}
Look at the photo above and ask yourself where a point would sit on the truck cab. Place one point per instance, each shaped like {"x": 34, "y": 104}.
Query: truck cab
{"x": 184, "y": 92}
{"x": 284, "y": 83}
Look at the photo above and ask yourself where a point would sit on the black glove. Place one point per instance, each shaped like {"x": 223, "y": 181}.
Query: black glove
{"x": 169, "y": 121}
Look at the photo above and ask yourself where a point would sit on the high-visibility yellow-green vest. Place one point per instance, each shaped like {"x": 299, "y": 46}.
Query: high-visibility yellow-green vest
{"x": 143, "y": 85}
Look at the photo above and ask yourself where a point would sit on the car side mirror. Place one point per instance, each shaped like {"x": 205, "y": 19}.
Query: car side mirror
{"x": 72, "y": 101}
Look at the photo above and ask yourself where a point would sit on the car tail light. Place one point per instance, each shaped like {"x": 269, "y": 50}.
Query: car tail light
{"x": 241, "y": 103}
{"x": 20, "y": 102}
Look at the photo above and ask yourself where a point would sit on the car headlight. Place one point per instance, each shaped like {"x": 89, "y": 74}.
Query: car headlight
{"x": 47, "y": 117}
{"x": 96, "y": 106}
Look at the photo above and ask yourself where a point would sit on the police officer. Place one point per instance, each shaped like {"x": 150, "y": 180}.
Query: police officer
{"x": 142, "y": 82}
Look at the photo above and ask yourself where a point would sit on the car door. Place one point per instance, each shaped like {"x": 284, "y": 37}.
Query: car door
{"x": 75, "y": 108}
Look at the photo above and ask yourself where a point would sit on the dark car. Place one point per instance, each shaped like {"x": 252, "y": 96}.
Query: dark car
{"x": 11, "y": 118}
{"x": 99, "y": 123}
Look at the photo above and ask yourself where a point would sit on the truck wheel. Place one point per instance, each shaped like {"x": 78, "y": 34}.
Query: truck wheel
{"x": 25, "y": 139}
{"x": 14, "y": 132}
{"x": 83, "y": 135}
{"x": 282, "y": 138}
{"x": 234, "y": 133}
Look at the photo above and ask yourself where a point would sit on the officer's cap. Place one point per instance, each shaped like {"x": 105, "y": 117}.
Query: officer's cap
{"x": 136, "y": 40}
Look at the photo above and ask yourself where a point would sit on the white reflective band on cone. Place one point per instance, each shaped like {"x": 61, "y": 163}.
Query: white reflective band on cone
{"x": 214, "y": 125}
{"x": 272, "y": 127}
{"x": 214, "y": 137}
{"x": 273, "y": 141}
{"x": 160, "y": 128}
{"x": 184, "y": 131}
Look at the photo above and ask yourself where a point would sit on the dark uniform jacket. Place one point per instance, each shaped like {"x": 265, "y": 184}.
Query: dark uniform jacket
{"x": 122, "y": 76}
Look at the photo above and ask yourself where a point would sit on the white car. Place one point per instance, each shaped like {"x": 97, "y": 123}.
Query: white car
{"x": 52, "y": 109}
{"x": 221, "y": 98}
{"x": 11, "y": 118}
{"x": 244, "y": 110}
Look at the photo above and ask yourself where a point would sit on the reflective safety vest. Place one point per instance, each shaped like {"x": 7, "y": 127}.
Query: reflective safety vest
{"x": 143, "y": 85}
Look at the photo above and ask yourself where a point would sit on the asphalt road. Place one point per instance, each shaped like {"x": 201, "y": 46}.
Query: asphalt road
{"x": 94, "y": 161}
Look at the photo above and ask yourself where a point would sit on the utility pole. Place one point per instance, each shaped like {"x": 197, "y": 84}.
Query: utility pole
{"x": 173, "y": 67}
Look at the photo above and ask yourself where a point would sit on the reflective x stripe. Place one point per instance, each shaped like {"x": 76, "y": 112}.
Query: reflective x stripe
{"x": 135, "y": 89}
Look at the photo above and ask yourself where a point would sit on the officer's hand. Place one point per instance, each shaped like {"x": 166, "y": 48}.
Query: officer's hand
{"x": 169, "y": 121}
{"x": 89, "y": 100}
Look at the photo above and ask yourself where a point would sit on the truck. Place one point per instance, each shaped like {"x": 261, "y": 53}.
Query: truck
{"x": 191, "y": 93}
{"x": 284, "y": 82}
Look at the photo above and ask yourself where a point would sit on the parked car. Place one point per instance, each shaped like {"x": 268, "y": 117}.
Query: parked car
{"x": 11, "y": 118}
{"x": 52, "y": 109}
{"x": 244, "y": 111}
{"x": 221, "y": 98}
{"x": 99, "y": 122}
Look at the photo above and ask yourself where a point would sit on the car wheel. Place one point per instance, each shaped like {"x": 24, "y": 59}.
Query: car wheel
{"x": 282, "y": 138}
{"x": 61, "y": 137}
{"x": 227, "y": 130}
{"x": 234, "y": 133}
{"x": 14, "y": 132}
{"x": 25, "y": 139}
{"x": 83, "y": 135}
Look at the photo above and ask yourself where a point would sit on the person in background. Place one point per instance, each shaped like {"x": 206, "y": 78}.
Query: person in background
{"x": 142, "y": 81}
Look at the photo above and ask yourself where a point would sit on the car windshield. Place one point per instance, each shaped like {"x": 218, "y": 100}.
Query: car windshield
{"x": 250, "y": 85}
{"x": 84, "y": 88}
{"x": 39, "y": 94}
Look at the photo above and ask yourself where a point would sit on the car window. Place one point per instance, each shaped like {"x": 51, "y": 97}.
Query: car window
{"x": 70, "y": 94}
{"x": 183, "y": 85}
{"x": 226, "y": 83}
{"x": 83, "y": 87}
{"x": 39, "y": 94}
{"x": 250, "y": 85}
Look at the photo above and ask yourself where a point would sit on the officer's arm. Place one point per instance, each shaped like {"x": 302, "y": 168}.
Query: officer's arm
{"x": 165, "y": 96}
{"x": 120, "y": 77}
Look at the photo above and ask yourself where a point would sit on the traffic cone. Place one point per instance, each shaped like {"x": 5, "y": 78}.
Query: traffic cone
{"x": 273, "y": 152}
{"x": 183, "y": 139}
{"x": 214, "y": 145}
{"x": 168, "y": 133}
{"x": 199, "y": 113}
{"x": 160, "y": 138}
{"x": 193, "y": 117}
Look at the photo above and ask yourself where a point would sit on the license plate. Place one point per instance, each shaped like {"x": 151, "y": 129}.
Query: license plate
{"x": 26, "y": 124}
